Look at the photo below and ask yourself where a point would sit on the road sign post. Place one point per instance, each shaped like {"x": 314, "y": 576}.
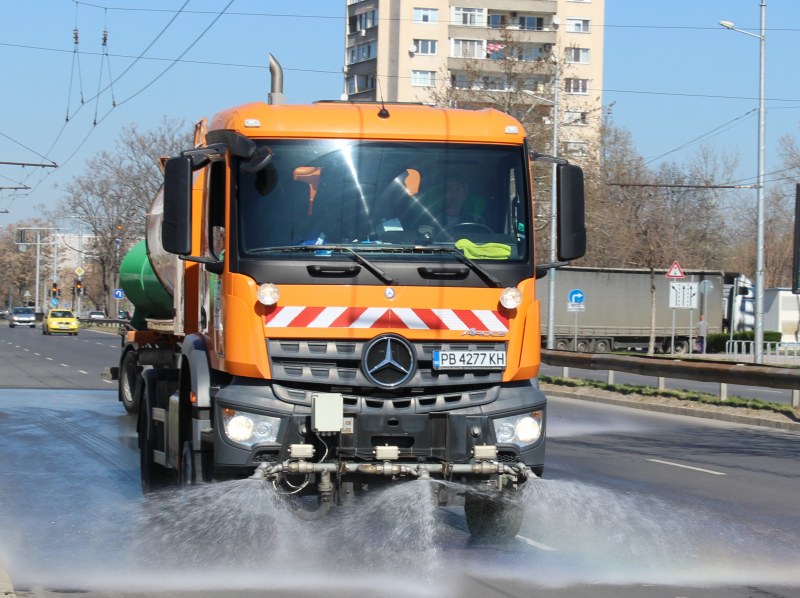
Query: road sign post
{"x": 576, "y": 304}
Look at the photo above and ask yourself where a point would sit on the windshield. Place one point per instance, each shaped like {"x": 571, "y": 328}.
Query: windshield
{"x": 370, "y": 194}
{"x": 23, "y": 310}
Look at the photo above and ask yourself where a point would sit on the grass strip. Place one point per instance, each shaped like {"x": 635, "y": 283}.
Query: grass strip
{"x": 683, "y": 395}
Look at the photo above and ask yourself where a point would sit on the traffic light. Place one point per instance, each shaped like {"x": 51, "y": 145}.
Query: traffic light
{"x": 54, "y": 290}
{"x": 78, "y": 287}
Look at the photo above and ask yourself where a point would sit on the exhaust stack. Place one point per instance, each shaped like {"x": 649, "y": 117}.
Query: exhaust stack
{"x": 276, "y": 75}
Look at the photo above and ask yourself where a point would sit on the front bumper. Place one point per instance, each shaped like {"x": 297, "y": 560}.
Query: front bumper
{"x": 384, "y": 441}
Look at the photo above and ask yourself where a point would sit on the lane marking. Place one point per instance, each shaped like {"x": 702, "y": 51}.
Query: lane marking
{"x": 82, "y": 372}
{"x": 49, "y": 358}
{"x": 63, "y": 365}
{"x": 536, "y": 544}
{"x": 700, "y": 469}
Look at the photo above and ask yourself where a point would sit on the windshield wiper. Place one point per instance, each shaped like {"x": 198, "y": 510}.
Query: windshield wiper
{"x": 356, "y": 257}
{"x": 487, "y": 276}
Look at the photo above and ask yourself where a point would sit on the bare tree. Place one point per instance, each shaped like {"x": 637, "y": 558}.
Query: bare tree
{"x": 18, "y": 262}
{"x": 112, "y": 198}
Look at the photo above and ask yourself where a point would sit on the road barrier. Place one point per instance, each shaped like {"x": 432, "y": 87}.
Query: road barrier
{"x": 723, "y": 373}
{"x": 784, "y": 353}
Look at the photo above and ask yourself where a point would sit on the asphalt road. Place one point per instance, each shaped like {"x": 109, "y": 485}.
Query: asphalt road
{"x": 30, "y": 359}
{"x": 633, "y": 504}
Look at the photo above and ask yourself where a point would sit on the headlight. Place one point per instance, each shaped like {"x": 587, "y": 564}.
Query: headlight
{"x": 249, "y": 428}
{"x": 519, "y": 429}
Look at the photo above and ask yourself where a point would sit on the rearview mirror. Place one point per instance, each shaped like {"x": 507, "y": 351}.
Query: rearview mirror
{"x": 570, "y": 213}
{"x": 176, "y": 228}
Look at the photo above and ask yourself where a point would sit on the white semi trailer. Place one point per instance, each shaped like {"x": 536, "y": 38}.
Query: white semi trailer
{"x": 782, "y": 313}
{"x": 608, "y": 309}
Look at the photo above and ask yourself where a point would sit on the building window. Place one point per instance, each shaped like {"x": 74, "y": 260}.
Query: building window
{"x": 577, "y": 55}
{"x": 475, "y": 17}
{"x": 426, "y": 15}
{"x": 497, "y": 21}
{"x": 531, "y": 23}
{"x": 363, "y": 21}
{"x": 576, "y": 86}
{"x": 426, "y": 47}
{"x": 578, "y": 25}
{"x": 495, "y": 50}
{"x": 362, "y": 52}
{"x": 469, "y": 48}
{"x": 423, "y": 78}
{"x": 360, "y": 83}
{"x": 496, "y": 83}
{"x": 575, "y": 117}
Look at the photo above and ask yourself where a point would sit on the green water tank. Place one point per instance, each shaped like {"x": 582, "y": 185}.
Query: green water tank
{"x": 143, "y": 288}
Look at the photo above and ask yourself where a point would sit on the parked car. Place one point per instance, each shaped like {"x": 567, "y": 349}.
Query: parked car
{"x": 97, "y": 315}
{"x": 60, "y": 321}
{"x": 3, "y": 313}
{"x": 22, "y": 316}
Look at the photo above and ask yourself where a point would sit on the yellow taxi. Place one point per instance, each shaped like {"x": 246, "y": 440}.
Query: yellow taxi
{"x": 58, "y": 321}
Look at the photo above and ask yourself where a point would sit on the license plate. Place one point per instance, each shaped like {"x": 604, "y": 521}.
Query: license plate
{"x": 469, "y": 360}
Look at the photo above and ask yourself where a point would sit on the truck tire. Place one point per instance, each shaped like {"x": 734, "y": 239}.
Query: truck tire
{"x": 681, "y": 346}
{"x": 562, "y": 344}
{"x": 130, "y": 383}
{"x": 188, "y": 475}
{"x": 583, "y": 345}
{"x": 494, "y": 517}
{"x": 602, "y": 345}
{"x": 153, "y": 475}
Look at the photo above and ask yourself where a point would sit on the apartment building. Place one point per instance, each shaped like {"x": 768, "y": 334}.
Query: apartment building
{"x": 511, "y": 54}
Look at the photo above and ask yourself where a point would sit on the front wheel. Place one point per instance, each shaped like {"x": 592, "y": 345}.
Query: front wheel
{"x": 154, "y": 476}
{"x": 188, "y": 473}
{"x": 130, "y": 382}
{"x": 494, "y": 516}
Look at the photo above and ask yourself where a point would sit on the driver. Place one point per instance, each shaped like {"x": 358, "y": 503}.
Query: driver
{"x": 459, "y": 205}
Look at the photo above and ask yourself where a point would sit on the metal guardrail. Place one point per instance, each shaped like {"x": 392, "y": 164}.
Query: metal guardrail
{"x": 723, "y": 373}
{"x": 776, "y": 352}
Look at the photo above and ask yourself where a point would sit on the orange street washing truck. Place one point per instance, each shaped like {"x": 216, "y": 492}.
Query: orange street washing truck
{"x": 314, "y": 309}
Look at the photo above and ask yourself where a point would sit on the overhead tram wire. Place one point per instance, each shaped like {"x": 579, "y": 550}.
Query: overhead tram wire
{"x": 104, "y": 58}
{"x": 100, "y": 91}
{"x": 76, "y": 59}
{"x": 174, "y": 61}
{"x": 143, "y": 88}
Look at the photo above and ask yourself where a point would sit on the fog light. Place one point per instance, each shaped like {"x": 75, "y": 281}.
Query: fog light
{"x": 505, "y": 432}
{"x": 510, "y": 298}
{"x": 268, "y": 294}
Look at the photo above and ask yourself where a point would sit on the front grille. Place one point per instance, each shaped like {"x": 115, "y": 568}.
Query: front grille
{"x": 301, "y": 366}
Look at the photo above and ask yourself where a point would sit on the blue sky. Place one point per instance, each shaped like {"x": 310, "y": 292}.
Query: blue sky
{"x": 676, "y": 79}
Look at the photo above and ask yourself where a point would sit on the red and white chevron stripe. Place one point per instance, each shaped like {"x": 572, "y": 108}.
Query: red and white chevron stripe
{"x": 297, "y": 316}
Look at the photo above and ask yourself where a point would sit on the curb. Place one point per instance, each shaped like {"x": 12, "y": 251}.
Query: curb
{"x": 688, "y": 411}
{"x": 6, "y": 588}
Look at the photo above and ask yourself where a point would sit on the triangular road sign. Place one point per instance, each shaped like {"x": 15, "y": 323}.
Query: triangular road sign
{"x": 675, "y": 271}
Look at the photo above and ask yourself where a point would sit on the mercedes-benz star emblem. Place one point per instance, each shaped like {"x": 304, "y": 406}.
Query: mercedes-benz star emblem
{"x": 388, "y": 361}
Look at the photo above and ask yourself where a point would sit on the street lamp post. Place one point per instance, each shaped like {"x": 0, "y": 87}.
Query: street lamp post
{"x": 551, "y": 273}
{"x": 759, "y": 283}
